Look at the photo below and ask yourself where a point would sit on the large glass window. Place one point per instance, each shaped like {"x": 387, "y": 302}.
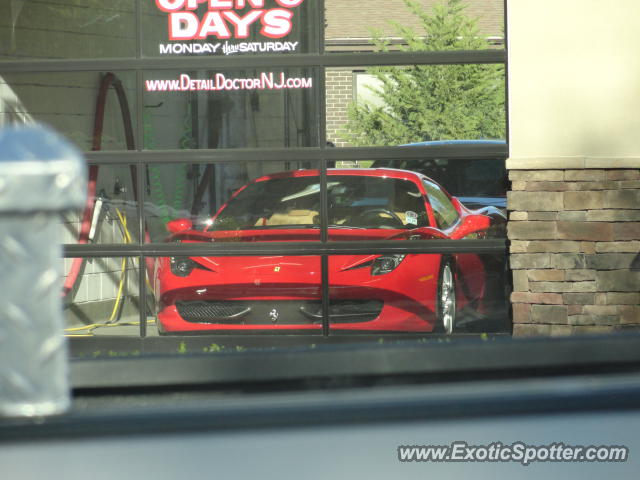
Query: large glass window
{"x": 476, "y": 182}
{"x": 355, "y": 202}
{"x": 67, "y": 29}
{"x": 217, "y": 203}
{"x": 111, "y": 212}
{"x": 417, "y": 294}
{"x": 95, "y": 110}
{"x": 238, "y": 295}
{"x": 351, "y": 26}
{"x": 410, "y": 104}
{"x": 231, "y": 201}
{"x": 229, "y": 28}
{"x": 249, "y": 108}
{"x": 101, "y": 297}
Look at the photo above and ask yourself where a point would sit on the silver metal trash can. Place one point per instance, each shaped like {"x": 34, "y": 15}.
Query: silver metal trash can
{"x": 41, "y": 176}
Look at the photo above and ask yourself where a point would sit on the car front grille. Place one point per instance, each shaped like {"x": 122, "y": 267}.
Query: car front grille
{"x": 346, "y": 311}
{"x": 283, "y": 312}
{"x": 196, "y": 311}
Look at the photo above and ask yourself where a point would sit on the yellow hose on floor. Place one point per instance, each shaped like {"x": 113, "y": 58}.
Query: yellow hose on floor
{"x": 126, "y": 235}
{"x": 123, "y": 272}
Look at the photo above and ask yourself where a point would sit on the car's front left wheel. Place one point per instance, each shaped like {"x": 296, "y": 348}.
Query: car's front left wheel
{"x": 446, "y": 301}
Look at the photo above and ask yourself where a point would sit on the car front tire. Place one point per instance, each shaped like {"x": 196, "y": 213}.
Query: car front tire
{"x": 446, "y": 300}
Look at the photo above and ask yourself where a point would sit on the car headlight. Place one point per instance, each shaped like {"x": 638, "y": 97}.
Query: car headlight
{"x": 385, "y": 264}
{"x": 181, "y": 266}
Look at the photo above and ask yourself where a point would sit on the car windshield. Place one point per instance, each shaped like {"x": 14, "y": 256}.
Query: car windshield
{"x": 354, "y": 201}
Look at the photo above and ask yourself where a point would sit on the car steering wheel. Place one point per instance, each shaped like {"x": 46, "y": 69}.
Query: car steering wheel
{"x": 378, "y": 211}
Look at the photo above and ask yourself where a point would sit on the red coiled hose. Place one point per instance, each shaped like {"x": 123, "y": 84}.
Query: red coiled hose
{"x": 107, "y": 81}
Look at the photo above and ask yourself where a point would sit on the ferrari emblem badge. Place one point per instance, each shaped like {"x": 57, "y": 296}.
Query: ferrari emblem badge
{"x": 276, "y": 269}
{"x": 273, "y": 315}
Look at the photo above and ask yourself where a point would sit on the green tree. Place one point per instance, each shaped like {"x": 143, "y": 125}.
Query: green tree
{"x": 431, "y": 102}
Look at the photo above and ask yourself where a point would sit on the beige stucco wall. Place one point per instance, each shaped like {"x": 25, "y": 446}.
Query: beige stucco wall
{"x": 574, "y": 83}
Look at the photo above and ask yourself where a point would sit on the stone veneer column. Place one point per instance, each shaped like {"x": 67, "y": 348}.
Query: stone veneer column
{"x": 574, "y": 242}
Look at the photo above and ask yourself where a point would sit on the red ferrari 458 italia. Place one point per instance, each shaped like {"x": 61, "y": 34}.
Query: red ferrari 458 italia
{"x": 381, "y": 293}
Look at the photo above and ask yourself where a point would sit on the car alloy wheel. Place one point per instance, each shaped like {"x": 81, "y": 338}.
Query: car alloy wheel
{"x": 447, "y": 299}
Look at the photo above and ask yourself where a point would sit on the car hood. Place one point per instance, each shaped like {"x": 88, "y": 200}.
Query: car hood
{"x": 305, "y": 234}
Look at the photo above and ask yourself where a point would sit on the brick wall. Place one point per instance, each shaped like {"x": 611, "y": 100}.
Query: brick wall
{"x": 339, "y": 84}
{"x": 575, "y": 243}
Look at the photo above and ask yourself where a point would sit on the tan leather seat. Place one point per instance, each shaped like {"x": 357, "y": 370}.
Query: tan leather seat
{"x": 291, "y": 217}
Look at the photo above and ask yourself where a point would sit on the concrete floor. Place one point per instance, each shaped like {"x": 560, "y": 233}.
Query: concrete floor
{"x": 128, "y": 328}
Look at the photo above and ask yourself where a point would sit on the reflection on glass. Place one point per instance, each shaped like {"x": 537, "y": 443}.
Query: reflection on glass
{"x": 419, "y": 293}
{"x": 412, "y": 293}
{"x": 110, "y": 214}
{"x": 267, "y": 202}
{"x": 357, "y": 203}
{"x": 256, "y": 27}
{"x": 231, "y": 109}
{"x": 277, "y": 294}
{"x": 400, "y": 25}
{"x": 191, "y": 195}
{"x": 101, "y": 296}
{"x": 292, "y": 201}
{"x": 476, "y": 182}
{"x": 391, "y": 106}
{"x": 391, "y": 204}
{"x": 71, "y": 104}
{"x": 67, "y": 29}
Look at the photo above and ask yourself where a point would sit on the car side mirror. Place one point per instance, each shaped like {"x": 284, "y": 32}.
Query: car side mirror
{"x": 179, "y": 225}
{"x": 471, "y": 224}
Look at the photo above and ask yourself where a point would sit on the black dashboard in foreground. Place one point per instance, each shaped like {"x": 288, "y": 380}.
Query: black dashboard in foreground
{"x": 341, "y": 412}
